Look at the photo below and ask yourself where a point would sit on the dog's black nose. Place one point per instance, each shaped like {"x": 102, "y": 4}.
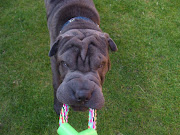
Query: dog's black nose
{"x": 83, "y": 95}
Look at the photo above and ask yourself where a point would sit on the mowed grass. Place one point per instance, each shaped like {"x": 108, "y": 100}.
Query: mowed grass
{"x": 141, "y": 90}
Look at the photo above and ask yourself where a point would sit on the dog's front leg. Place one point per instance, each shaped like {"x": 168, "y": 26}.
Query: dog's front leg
{"x": 56, "y": 83}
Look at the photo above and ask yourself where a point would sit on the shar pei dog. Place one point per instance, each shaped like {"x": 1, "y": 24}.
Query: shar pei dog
{"x": 79, "y": 53}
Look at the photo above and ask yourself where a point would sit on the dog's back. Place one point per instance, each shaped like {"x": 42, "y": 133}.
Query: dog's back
{"x": 60, "y": 11}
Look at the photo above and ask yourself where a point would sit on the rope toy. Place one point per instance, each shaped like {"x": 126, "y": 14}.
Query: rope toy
{"x": 67, "y": 129}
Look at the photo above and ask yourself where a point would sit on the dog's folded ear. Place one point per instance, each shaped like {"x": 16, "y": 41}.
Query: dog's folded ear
{"x": 57, "y": 43}
{"x": 54, "y": 48}
{"x": 112, "y": 45}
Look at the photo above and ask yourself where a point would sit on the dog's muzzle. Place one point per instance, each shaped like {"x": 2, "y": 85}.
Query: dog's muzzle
{"x": 81, "y": 91}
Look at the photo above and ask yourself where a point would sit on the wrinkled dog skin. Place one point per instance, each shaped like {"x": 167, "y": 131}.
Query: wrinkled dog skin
{"x": 79, "y": 54}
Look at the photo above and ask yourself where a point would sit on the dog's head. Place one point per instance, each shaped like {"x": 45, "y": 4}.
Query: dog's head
{"x": 83, "y": 61}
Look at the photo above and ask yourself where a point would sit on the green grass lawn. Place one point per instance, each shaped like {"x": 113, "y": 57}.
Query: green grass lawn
{"x": 141, "y": 90}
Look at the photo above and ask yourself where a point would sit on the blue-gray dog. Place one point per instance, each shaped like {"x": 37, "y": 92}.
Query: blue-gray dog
{"x": 79, "y": 53}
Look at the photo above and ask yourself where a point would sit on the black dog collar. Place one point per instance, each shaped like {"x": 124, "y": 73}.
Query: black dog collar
{"x": 78, "y": 18}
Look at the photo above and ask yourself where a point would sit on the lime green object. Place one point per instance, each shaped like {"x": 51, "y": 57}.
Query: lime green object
{"x": 89, "y": 131}
{"x": 67, "y": 129}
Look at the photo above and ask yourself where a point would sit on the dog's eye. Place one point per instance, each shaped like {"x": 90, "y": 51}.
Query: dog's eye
{"x": 101, "y": 65}
{"x": 64, "y": 64}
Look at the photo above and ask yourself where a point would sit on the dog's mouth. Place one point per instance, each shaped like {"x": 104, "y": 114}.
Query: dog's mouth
{"x": 79, "y": 108}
